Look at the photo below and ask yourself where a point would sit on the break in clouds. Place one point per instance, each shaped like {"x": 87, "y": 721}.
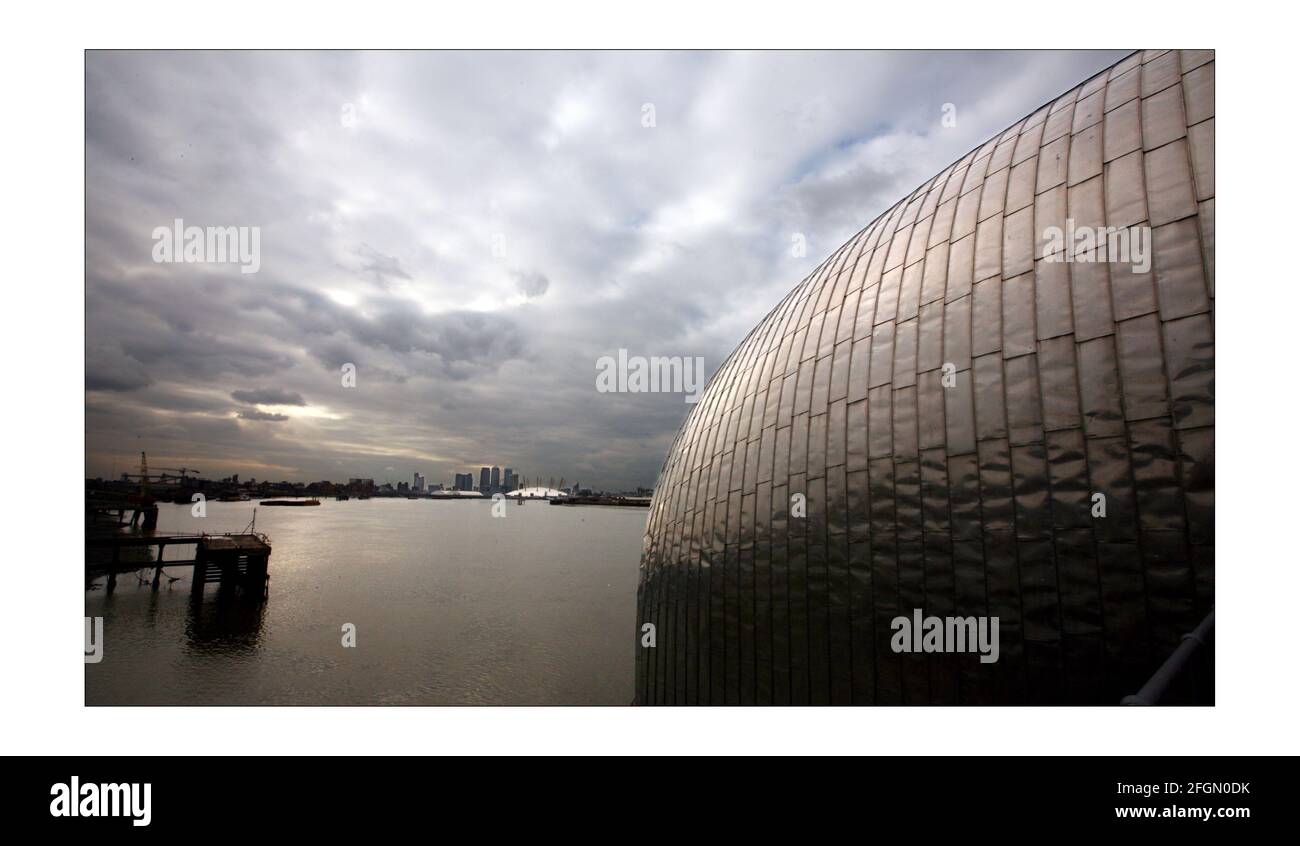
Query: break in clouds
{"x": 474, "y": 231}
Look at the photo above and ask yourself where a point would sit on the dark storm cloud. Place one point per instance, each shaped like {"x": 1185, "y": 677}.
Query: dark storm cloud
{"x": 462, "y": 340}
{"x": 110, "y": 369}
{"x": 471, "y": 250}
{"x": 254, "y": 414}
{"x": 268, "y": 396}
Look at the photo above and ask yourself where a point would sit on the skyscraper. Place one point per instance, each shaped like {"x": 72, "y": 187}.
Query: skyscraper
{"x": 508, "y": 479}
{"x": 418, "y": 482}
{"x": 496, "y": 477}
{"x": 484, "y": 478}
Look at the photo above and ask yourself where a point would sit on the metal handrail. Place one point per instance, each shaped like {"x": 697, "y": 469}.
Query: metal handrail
{"x": 1173, "y": 666}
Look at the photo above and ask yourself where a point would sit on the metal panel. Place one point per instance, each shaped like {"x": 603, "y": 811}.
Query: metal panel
{"x": 958, "y": 413}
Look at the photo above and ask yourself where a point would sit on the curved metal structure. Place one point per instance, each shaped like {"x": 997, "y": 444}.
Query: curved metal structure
{"x": 968, "y": 410}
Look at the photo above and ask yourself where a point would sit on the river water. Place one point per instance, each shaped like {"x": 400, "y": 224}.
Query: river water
{"x": 451, "y": 605}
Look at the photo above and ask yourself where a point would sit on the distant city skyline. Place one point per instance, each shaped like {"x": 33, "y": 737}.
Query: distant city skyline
{"x": 498, "y": 479}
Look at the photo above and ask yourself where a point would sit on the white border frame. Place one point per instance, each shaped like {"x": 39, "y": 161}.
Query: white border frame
{"x": 44, "y": 334}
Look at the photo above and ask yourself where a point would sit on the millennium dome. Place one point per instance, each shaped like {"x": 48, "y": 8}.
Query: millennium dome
{"x": 967, "y": 411}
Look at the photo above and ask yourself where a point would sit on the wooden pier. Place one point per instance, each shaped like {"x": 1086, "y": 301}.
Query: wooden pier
{"x": 144, "y": 513}
{"x": 237, "y": 559}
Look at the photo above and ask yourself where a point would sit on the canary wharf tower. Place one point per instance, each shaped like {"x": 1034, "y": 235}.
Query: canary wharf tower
{"x": 995, "y": 401}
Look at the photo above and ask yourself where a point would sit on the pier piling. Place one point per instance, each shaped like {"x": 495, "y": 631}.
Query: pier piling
{"x": 239, "y": 559}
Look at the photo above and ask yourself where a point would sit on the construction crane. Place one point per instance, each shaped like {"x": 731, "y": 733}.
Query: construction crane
{"x": 179, "y": 470}
{"x": 162, "y": 478}
{"x": 143, "y": 476}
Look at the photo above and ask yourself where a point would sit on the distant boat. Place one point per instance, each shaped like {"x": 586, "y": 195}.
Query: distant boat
{"x": 290, "y": 502}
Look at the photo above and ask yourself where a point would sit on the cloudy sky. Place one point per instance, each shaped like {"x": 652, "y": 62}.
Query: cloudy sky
{"x": 473, "y": 231}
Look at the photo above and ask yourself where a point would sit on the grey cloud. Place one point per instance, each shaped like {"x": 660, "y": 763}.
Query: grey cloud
{"x": 334, "y": 353}
{"x": 109, "y": 369}
{"x": 268, "y": 396}
{"x": 457, "y": 342}
{"x": 457, "y": 337}
{"x": 532, "y": 284}
{"x": 383, "y": 268}
{"x": 255, "y": 414}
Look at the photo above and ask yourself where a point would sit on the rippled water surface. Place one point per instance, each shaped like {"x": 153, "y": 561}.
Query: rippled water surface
{"x": 451, "y": 606}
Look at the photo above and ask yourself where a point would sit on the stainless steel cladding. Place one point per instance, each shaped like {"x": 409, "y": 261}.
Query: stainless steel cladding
{"x": 995, "y": 401}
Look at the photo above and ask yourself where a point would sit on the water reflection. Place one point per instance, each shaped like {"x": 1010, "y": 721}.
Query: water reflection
{"x": 450, "y": 606}
{"x": 225, "y": 618}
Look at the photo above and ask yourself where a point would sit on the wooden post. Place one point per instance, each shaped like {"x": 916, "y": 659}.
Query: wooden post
{"x": 112, "y": 570}
{"x": 200, "y": 569}
{"x": 157, "y": 570}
